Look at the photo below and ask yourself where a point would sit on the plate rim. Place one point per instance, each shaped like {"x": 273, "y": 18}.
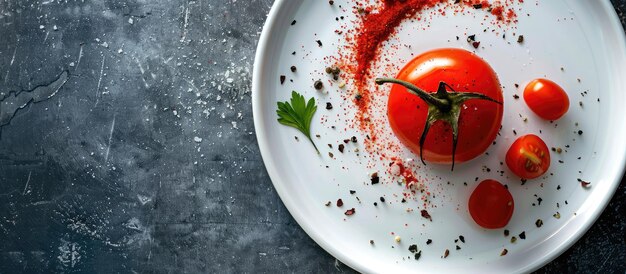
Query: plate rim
{"x": 263, "y": 143}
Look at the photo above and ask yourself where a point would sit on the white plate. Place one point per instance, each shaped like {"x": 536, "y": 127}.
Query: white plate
{"x": 583, "y": 37}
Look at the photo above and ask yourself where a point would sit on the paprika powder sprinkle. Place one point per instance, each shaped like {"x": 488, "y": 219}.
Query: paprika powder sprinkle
{"x": 375, "y": 28}
{"x": 375, "y": 25}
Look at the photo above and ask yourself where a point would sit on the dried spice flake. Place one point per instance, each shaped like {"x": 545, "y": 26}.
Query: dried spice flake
{"x": 374, "y": 179}
{"x": 584, "y": 184}
{"x": 426, "y": 215}
{"x": 339, "y": 203}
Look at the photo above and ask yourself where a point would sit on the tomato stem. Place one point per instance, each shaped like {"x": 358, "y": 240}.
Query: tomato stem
{"x": 443, "y": 105}
{"x": 440, "y": 103}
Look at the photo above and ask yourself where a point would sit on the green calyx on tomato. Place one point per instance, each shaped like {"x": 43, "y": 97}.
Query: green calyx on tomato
{"x": 443, "y": 105}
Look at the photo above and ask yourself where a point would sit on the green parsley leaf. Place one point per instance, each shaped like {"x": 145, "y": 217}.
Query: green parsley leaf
{"x": 298, "y": 114}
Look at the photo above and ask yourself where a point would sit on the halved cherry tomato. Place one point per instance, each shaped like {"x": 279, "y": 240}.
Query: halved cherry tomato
{"x": 528, "y": 157}
{"x": 547, "y": 99}
{"x": 491, "y": 205}
{"x": 478, "y": 121}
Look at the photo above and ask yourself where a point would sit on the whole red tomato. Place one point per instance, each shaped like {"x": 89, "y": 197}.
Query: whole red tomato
{"x": 528, "y": 157}
{"x": 546, "y": 98}
{"x": 468, "y": 104}
{"x": 491, "y": 204}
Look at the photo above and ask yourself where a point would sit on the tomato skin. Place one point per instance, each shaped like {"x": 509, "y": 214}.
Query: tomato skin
{"x": 528, "y": 157}
{"x": 546, "y": 99}
{"x": 491, "y": 205}
{"x": 479, "y": 120}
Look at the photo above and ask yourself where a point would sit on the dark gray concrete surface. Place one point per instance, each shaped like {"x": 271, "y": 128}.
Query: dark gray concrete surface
{"x": 134, "y": 150}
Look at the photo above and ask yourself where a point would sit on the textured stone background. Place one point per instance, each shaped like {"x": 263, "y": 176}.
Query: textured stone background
{"x": 137, "y": 152}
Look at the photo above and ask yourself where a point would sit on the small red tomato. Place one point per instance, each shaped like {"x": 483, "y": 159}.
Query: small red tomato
{"x": 546, "y": 99}
{"x": 491, "y": 204}
{"x": 528, "y": 157}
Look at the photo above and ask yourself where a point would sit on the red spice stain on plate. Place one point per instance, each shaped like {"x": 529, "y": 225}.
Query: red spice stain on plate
{"x": 375, "y": 25}
{"x": 378, "y": 25}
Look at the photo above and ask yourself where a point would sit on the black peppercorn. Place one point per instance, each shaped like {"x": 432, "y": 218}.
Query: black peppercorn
{"x": 318, "y": 85}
